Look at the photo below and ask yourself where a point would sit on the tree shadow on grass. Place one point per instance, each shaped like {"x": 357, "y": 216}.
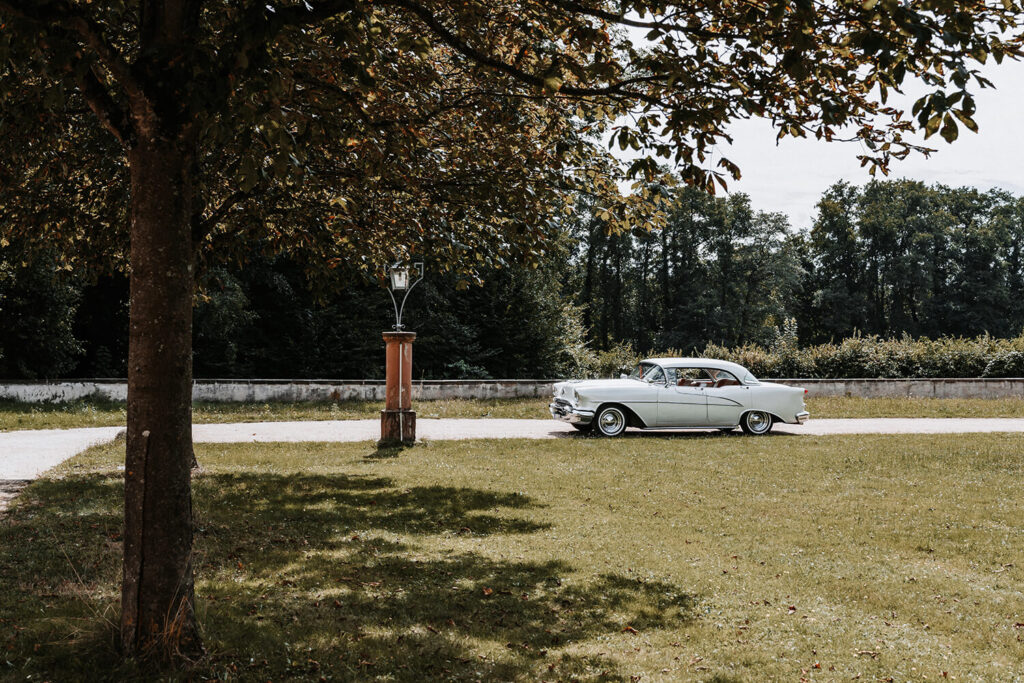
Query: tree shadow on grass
{"x": 344, "y": 577}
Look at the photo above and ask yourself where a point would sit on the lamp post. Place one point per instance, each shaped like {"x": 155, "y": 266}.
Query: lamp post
{"x": 398, "y": 420}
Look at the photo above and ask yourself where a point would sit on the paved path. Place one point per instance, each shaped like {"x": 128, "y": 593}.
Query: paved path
{"x": 24, "y": 455}
{"x": 368, "y": 430}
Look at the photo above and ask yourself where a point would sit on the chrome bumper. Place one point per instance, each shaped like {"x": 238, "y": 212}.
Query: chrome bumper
{"x": 570, "y": 414}
{"x": 802, "y": 416}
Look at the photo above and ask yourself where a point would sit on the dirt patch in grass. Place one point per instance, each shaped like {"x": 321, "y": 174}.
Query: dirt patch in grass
{"x": 693, "y": 557}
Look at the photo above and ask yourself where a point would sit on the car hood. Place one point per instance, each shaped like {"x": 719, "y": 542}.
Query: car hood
{"x": 565, "y": 389}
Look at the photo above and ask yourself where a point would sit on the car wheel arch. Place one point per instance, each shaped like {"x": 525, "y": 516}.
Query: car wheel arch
{"x": 632, "y": 419}
{"x": 775, "y": 416}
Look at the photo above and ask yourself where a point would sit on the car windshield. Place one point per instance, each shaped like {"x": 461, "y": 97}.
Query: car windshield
{"x": 648, "y": 372}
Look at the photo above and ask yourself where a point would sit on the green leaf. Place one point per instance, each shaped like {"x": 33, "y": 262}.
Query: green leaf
{"x": 949, "y": 131}
{"x": 966, "y": 120}
{"x": 552, "y": 84}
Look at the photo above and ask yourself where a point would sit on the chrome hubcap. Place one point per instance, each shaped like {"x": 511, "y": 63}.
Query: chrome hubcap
{"x": 612, "y": 421}
{"x": 758, "y": 422}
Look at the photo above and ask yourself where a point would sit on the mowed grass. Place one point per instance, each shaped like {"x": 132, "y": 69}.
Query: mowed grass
{"x": 713, "y": 558}
{"x": 101, "y": 413}
{"x": 852, "y": 407}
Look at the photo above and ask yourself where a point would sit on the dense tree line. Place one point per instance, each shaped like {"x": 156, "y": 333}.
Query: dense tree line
{"x": 267, "y": 318}
{"x": 902, "y": 257}
{"x": 889, "y": 258}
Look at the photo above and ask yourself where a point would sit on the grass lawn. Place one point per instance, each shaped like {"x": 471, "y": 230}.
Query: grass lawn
{"x": 715, "y": 558}
{"x": 103, "y": 413}
{"x": 100, "y": 413}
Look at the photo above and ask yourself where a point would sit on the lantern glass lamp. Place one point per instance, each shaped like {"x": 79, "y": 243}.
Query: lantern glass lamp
{"x": 401, "y": 280}
{"x": 399, "y": 277}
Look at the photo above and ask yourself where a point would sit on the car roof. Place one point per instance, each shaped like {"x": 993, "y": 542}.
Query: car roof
{"x": 698, "y": 363}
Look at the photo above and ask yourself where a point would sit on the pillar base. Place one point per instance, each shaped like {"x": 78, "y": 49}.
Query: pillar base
{"x": 397, "y": 427}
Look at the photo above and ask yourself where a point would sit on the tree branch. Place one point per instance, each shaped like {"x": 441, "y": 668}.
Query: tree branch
{"x": 201, "y": 229}
{"x": 112, "y": 116}
{"x": 312, "y": 12}
{"x": 623, "y": 20}
{"x": 59, "y": 14}
{"x": 619, "y": 89}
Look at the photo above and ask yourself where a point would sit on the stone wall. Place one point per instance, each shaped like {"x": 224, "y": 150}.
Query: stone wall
{"x": 915, "y": 388}
{"x": 259, "y": 391}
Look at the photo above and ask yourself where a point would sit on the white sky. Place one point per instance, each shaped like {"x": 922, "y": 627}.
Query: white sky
{"x": 791, "y": 176}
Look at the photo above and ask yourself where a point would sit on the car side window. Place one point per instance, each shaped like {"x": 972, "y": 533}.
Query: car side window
{"x": 724, "y": 378}
{"x": 693, "y": 377}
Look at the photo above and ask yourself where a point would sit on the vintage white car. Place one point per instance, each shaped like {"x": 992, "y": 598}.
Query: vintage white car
{"x": 678, "y": 393}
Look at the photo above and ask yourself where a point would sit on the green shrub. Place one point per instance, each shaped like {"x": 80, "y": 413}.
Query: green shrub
{"x": 1005, "y": 364}
{"x": 874, "y": 356}
{"x": 616, "y": 360}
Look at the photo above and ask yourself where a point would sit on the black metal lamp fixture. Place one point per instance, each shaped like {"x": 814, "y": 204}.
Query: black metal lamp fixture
{"x": 401, "y": 280}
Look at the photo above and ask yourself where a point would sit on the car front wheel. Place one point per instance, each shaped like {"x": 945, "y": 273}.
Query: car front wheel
{"x": 756, "y": 422}
{"x": 611, "y": 421}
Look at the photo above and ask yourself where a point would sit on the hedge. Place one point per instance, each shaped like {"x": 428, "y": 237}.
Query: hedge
{"x": 859, "y": 357}
{"x": 876, "y": 357}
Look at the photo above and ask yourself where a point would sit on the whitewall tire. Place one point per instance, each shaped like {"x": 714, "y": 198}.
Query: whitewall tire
{"x": 611, "y": 421}
{"x": 756, "y": 422}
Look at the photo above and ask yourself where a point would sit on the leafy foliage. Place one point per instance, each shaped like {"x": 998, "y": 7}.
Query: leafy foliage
{"x": 873, "y": 356}
{"x": 902, "y": 257}
{"x": 718, "y": 270}
{"x": 37, "y": 301}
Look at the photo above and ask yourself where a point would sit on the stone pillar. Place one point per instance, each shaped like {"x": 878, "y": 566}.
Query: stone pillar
{"x": 398, "y": 420}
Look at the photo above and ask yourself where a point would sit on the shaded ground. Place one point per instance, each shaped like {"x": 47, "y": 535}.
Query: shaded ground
{"x": 707, "y": 558}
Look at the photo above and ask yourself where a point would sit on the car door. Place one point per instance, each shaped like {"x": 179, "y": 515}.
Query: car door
{"x": 727, "y": 399}
{"x": 683, "y": 403}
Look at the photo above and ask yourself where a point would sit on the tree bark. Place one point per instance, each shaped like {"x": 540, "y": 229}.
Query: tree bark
{"x": 157, "y": 603}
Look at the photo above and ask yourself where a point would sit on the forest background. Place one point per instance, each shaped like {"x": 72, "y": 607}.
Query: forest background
{"x": 892, "y": 278}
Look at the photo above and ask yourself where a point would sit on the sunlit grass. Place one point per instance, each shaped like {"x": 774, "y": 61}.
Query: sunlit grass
{"x": 694, "y": 558}
{"x": 850, "y": 407}
{"x": 99, "y": 413}
{"x": 102, "y": 413}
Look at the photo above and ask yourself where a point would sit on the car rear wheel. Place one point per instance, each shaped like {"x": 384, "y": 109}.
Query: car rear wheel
{"x": 611, "y": 421}
{"x": 756, "y": 422}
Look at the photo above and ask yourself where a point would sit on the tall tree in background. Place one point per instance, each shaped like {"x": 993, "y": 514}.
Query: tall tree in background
{"x": 836, "y": 276}
{"x": 202, "y": 102}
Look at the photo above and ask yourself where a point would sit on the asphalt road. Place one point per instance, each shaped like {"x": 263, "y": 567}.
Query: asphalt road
{"x": 24, "y": 455}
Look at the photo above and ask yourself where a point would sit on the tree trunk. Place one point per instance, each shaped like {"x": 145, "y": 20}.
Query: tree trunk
{"x": 157, "y": 617}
